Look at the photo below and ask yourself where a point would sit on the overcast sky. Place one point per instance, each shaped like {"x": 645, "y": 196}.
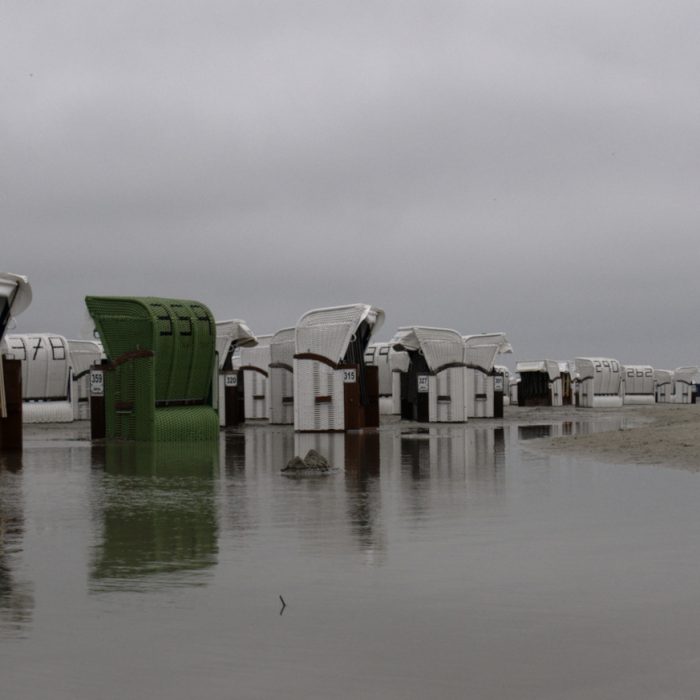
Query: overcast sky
{"x": 528, "y": 167}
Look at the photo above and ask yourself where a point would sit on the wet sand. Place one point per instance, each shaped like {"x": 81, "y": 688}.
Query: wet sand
{"x": 667, "y": 435}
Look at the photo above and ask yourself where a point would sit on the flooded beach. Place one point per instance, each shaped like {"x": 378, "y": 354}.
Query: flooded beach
{"x": 444, "y": 561}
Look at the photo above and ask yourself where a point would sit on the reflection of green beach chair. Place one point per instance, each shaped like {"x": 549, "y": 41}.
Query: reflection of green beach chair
{"x": 161, "y": 356}
{"x": 171, "y": 538}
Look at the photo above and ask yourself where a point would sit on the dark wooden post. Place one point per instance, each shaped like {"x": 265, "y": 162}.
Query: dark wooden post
{"x": 498, "y": 388}
{"x": 371, "y": 410}
{"x": 97, "y": 402}
{"x": 11, "y": 425}
{"x": 351, "y": 391}
{"x": 234, "y": 400}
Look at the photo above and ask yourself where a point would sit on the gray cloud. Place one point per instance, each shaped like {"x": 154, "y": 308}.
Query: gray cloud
{"x": 530, "y": 167}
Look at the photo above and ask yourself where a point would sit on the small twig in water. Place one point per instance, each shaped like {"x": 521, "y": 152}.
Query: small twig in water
{"x": 284, "y": 605}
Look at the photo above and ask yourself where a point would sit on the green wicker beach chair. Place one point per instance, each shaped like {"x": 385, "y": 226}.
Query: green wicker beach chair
{"x": 161, "y": 356}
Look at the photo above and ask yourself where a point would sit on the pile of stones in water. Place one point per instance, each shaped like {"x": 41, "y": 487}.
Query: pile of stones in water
{"x": 312, "y": 462}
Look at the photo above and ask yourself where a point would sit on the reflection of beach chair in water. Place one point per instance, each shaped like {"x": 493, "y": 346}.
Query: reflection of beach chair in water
{"x": 174, "y": 531}
{"x": 158, "y": 381}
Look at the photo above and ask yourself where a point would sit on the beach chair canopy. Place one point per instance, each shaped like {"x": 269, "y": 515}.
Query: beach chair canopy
{"x": 441, "y": 347}
{"x": 550, "y": 367}
{"x": 15, "y": 297}
{"x": 329, "y": 332}
{"x": 231, "y": 335}
{"x": 687, "y": 375}
{"x": 84, "y": 354}
{"x": 377, "y": 353}
{"x": 498, "y": 339}
{"x": 258, "y": 355}
{"x": 663, "y": 376}
{"x": 282, "y": 348}
{"x": 45, "y": 364}
{"x": 180, "y": 333}
{"x": 399, "y": 360}
{"x": 586, "y": 367}
{"x": 480, "y": 350}
{"x": 605, "y": 371}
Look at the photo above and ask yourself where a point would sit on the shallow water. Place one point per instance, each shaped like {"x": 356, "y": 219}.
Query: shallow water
{"x": 451, "y": 562}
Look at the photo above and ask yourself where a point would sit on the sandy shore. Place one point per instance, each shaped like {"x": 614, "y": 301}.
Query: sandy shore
{"x": 662, "y": 434}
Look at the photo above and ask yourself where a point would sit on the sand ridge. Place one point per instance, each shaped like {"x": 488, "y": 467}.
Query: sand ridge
{"x": 663, "y": 434}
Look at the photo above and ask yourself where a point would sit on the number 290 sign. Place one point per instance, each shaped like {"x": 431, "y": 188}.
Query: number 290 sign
{"x": 423, "y": 383}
